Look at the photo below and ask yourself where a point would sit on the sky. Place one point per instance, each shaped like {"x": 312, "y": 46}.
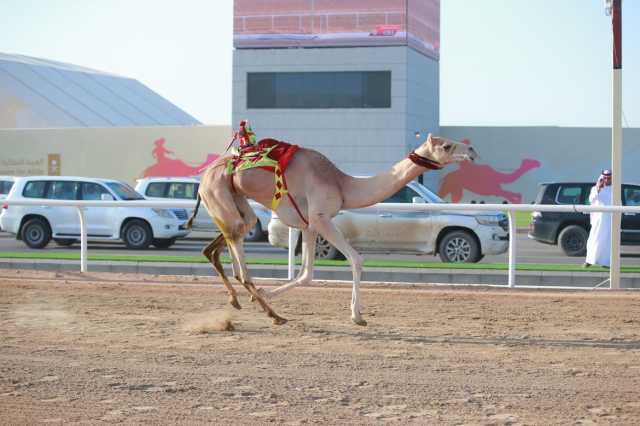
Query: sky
{"x": 502, "y": 62}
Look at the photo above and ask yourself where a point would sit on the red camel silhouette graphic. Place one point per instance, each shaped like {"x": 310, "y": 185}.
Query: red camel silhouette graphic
{"x": 483, "y": 179}
{"x": 166, "y": 166}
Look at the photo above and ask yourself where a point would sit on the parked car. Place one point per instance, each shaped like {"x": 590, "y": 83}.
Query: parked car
{"x": 6, "y": 182}
{"x": 570, "y": 230}
{"x": 138, "y": 227}
{"x": 457, "y": 236}
{"x": 160, "y": 188}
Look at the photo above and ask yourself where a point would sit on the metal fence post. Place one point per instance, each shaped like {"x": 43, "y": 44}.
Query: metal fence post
{"x": 512, "y": 248}
{"x": 83, "y": 239}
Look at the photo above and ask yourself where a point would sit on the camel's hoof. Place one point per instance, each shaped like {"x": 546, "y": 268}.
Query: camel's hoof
{"x": 279, "y": 320}
{"x": 359, "y": 321}
{"x": 234, "y": 302}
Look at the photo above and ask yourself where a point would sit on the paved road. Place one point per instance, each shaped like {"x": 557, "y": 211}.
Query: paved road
{"x": 528, "y": 251}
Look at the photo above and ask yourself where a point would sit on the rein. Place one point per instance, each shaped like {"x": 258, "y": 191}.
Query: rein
{"x": 424, "y": 161}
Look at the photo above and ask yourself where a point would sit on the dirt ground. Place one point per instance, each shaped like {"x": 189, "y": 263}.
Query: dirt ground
{"x": 141, "y": 349}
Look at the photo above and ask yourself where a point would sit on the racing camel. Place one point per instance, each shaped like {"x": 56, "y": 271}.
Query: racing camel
{"x": 307, "y": 191}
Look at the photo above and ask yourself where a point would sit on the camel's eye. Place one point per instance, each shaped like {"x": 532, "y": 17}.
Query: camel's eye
{"x": 447, "y": 148}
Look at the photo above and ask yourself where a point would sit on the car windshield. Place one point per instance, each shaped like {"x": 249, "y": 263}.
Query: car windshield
{"x": 429, "y": 196}
{"x": 124, "y": 191}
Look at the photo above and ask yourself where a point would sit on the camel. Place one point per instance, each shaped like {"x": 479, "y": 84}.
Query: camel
{"x": 317, "y": 191}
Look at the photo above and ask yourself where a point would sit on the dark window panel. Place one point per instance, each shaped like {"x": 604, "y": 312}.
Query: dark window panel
{"x": 296, "y": 90}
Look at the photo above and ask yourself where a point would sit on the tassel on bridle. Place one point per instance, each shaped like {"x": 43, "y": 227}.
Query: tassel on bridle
{"x": 424, "y": 162}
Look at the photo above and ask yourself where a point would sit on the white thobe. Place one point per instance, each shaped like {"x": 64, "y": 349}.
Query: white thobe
{"x": 599, "y": 242}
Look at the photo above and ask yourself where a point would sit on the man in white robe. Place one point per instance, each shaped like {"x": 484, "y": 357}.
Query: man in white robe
{"x": 599, "y": 242}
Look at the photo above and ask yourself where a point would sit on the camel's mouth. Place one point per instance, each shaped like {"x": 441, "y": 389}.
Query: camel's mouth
{"x": 467, "y": 154}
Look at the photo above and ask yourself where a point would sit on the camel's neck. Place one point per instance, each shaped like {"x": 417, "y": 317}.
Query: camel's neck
{"x": 363, "y": 192}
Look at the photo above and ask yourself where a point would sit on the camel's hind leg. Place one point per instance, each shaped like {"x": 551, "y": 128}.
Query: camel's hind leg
{"x": 236, "y": 249}
{"x": 212, "y": 253}
{"x": 228, "y": 213}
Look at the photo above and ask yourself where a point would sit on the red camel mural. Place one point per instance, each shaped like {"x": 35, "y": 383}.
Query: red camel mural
{"x": 483, "y": 179}
{"x": 166, "y": 166}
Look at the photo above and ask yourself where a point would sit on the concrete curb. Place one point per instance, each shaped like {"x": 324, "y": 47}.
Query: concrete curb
{"x": 390, "y": 275}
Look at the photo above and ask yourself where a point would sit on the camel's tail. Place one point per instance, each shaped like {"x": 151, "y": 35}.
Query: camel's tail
{"x": 195, "y": 212}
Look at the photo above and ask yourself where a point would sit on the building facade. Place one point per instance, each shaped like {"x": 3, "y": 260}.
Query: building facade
{"x": 356, "y": 80}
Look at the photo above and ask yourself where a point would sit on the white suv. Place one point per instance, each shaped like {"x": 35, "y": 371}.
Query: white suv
{"x": 162, "y": 188}
{"x": 138, "y": 227}
{"x": 457, "y": 236}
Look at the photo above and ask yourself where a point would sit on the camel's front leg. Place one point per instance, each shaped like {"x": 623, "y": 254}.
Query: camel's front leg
{"x": 328, "y": 230}
{"x": 306, "y": 271}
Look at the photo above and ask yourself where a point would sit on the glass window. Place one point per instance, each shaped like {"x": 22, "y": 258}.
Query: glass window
{"x": 35, "y": 189}
{"x": 93, "y": 191}
{"x": 405, "y": 195}
{"x": 62, "y": 190}
{"x": 156, "y": 189}
{"x": 568, "y": 194}
{"x": 124, "y": 191}
{"x": 182, "y": 190}
{"x": 346, "y": 89}
{"x": 5, "y": 186}
{"x": 632, "y": 196}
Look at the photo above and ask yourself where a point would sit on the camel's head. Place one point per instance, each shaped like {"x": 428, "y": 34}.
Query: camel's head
{"x": 445, "y": 151}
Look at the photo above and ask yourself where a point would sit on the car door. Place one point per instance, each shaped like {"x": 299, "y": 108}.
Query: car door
{"x": 405, "y": 229}
{"x": 631, "y": 221}
{"x": 97, "y": 218}
{"x": 64, "y": 221}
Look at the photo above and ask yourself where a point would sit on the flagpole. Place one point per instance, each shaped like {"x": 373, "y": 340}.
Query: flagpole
{"x": 616, "y": 140}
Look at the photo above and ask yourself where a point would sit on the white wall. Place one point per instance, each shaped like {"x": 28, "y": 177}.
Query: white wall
{"x": 564, "y": 154}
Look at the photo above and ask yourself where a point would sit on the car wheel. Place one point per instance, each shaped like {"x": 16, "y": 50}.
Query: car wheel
{"x": 573, "y": 240}
{"x": 163, "y": 243}
{"x": 137, "y": 235}
{"x": 255, "y": 234}
{"x": 36, "y": 233}
{"x": 326, "y": 251}
{"x": 64, "y": 242}
{"x": 459, "y": 247}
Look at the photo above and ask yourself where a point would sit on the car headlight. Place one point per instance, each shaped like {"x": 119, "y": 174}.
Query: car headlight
{"x": 488, "y": 220}
{"x": 167, "y": 214}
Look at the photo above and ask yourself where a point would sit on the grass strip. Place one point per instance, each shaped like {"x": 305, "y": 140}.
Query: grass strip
{"x": 340, "y": 263}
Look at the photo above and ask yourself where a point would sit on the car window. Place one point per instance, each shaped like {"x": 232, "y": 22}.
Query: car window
{"x": 124, "y": 191}
{"x": 5, "y": 186}
{"x": 182, "y": 190}
{"x": 62, "y": 190}
{"x": 92, "y": 191}
{"x": 156, "y": 189}
{"x": 405, "y": 195}
{"x": 632, "y": 196}
{"x": 569, "y": 194}
{"x": 34, "y": 189}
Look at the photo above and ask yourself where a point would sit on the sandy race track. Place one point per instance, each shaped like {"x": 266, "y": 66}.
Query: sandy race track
{"x": 141, "y": 349}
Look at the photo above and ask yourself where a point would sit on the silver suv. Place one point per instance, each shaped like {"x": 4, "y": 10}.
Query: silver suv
{"x": 457, "y": 236}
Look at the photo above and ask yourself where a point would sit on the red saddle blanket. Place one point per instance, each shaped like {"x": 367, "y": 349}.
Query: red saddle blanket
{"x": 266, "y": 154}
